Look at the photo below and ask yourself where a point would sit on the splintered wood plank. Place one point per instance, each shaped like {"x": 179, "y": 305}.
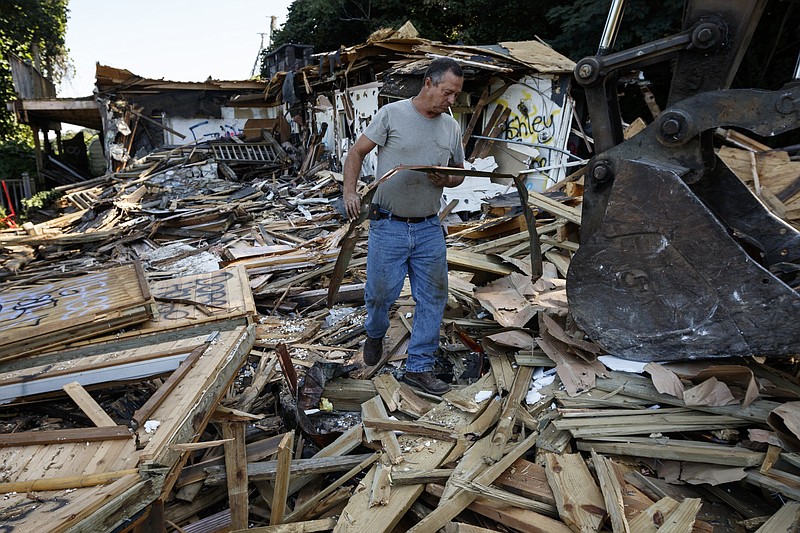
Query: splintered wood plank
{"x": 346, "y": 443}
{"x": 681, "y": 520}
{"x": 59, "y": 436}
{"x": 278, "y": 507}
{"x": 424, "y": 454}
{"x": 519, "y": 519}
{"x": 307, "y": 508}
{"x": 375, "y": 409}
{"x": 63, "y": 483}
{"x": 381, "y": 487}
{"x": 527, "y": 479}
{"x": 579, "y": 500}
{"x": 448, "y": 509}
{"x": 88, "y": 405}
{"x": 311, "y": 526}
{"x": 786, "y": 520}
{"x": 236, "y": 469}
{"x": 675, "y": 450}
{"x": 652, "y": 518}
{"x": 59, "y": 513}
{"x": 612, "y": 493}
{"x": 46, "y": 316}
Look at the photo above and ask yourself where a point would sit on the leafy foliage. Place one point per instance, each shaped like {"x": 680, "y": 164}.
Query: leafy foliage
{"x": 580, "y": 24}
{"x": 16, "y": 157}
{"x": 25, "y": 27}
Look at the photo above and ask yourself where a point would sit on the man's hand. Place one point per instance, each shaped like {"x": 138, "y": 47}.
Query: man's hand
{"x": 352, "y": 204}
{"x": 440, "y": 180}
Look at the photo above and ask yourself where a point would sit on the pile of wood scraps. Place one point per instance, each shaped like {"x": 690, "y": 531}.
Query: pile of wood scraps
{"x": 168, "y": 363}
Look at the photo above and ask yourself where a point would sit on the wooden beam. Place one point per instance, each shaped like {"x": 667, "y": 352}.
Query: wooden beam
{"x": 675, "y": 450}
{"x": 285, "y": 452}
{"x": 65, "y": 483}
{"x": 416, "y": 477}
{"x": 88, "y": 405}
{"x": 60, "y": 436}
{"x": 519, "y": 519}
{"x": 311, "y": 526}
{"x": 236, "y": 469}
{"x": 268, "y": 470}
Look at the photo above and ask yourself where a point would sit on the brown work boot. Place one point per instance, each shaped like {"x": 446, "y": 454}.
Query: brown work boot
{"x": 373, "y": 350}
{"x": 427, "y": 382}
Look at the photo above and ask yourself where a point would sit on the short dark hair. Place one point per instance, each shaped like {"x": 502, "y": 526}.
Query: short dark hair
{"x": 441, "y": 66}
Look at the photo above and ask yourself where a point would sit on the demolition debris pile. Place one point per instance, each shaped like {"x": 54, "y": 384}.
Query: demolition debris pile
{"x": 167, "y": 358}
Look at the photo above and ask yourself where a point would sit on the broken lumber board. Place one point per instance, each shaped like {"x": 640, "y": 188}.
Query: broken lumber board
{"x": 400, "y": 397}
{"x": 786, "y": 520}
{"x": 554, "y": 207}
{"x": 99, "y": 508}
{"x": 683, "y": 517}
{"x": 311, "y": 526}
{"x": 236, "y": 469}
{"x": 131, "y": 358}
{"x": 520, "y": 519}
{"x": 506, "y": 498}
{"x": 47, "y": 316}
{"x": 358, "y": 516}
{"x": 88, "y": 405}
{"x": 281, "y": 488}
{"x": 673, "y": 449}
{"x": 416, "y": 477}
{"x": 611, "y": 489}
{"x": 186, "y": 411}
{"x": 643, "y": 388}
{"x": 60, "y": 436}
{"x": 302, "y": 510}
{"x": 472, "y": 262}
{"x": 416, "y": 427}
{"x": 527, "y": 479}
{"x": 267, "y": 470}
{"x": 344, "y": 444}
{"x": 374, "y": 409}
{"x": 580, "y": 502}
{"x": 649, "y": 520}
{"x": 776, "y": 481}
{"x": 450, "y": 508}
{"x": 65, "y": 483}
{"x": 652, "y": 422}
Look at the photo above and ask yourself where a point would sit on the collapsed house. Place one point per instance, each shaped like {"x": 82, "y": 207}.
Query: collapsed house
{"x": 168, "y": 360}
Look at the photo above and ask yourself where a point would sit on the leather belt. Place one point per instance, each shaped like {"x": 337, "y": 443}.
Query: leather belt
{"x": 410, "y": 220}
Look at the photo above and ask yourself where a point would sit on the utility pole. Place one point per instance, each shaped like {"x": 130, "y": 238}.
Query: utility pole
{"x": 273, "y": 26}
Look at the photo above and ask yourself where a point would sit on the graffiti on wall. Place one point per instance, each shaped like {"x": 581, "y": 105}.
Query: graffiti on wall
{"x": 30, "y": 309}
{"x": 211, "y": 291}
{"x": 535, "y": 119}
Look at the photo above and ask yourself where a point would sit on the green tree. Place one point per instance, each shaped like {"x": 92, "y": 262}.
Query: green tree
{"x": 28, "y": 27}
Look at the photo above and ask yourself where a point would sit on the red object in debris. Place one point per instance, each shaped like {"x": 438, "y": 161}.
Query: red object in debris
{"x": 8, "y": 219}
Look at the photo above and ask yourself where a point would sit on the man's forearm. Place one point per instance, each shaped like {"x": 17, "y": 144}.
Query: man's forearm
{"x": 350, "y": 172}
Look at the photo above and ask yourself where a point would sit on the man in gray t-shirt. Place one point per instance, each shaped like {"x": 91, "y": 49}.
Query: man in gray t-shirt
{"x": 405, "y": 236}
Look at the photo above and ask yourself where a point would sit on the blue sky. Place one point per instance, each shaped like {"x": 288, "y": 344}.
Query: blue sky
{"x": 179, "y": 40}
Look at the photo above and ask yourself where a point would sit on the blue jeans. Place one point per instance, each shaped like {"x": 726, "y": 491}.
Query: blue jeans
{"x": 418, "y": 250}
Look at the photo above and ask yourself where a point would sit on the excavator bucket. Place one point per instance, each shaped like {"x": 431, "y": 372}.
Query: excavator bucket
{"x": 678, "y": 259}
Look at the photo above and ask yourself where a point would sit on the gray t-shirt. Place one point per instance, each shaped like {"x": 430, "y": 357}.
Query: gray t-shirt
{"x": 405, "y": 137}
